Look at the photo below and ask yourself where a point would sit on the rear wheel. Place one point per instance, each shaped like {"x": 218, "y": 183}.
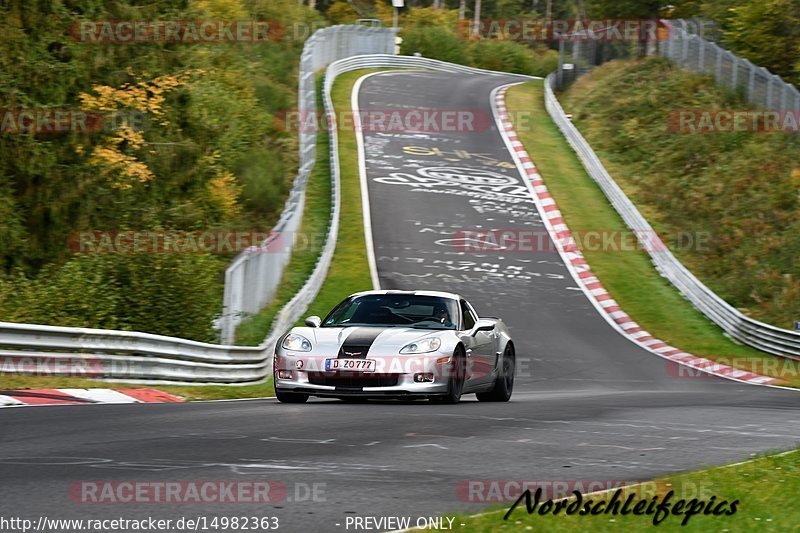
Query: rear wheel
{"x": 291, "y": 397}
{"x": 456, "y": 382}
{"x": 504, "y": 383}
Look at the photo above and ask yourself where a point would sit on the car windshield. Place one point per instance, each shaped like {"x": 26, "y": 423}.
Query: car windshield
{"x": 387, "y": 310}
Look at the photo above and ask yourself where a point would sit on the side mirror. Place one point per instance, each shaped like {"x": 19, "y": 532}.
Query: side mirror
{"x": 313, "y": 321}
{"x": 483, "y": 325}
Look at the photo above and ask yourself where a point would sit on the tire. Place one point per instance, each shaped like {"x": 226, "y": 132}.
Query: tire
{"x": 291, "y": 397}
{"x": 456, "y": 384}
{"x": 504, "y": 383}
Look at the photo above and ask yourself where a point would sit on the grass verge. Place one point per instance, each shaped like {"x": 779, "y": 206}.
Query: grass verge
{"x": 629, "y": 277}
{"x": 766, "y": 500}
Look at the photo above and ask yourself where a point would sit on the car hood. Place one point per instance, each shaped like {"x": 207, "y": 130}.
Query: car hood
{"x": 360, "y": 341}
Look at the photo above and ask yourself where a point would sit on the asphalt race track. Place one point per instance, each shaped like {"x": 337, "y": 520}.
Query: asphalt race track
{"x": 588, "y": 404}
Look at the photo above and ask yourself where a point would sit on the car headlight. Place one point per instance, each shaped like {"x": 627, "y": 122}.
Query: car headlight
{"x": 422, "y": 346}
{"x": 296, "y": 343}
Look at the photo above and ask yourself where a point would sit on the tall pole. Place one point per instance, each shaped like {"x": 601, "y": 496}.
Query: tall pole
{"x": 477, "y": 19}
{"x": 462, "y": 10}
{"x": 394, "y": 18}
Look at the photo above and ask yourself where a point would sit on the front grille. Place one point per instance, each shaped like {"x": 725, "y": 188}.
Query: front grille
{"x": 355, "y": 352}
{"x": 353, "y": 380}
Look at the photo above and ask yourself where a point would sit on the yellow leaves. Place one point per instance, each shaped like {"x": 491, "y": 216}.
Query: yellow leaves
{"x": 115, "y": 164}
{"x": 115, "y": 156}
{"x": 145, "y": 96}
{"x": 223, "y": 189}
{"x": 224, "y": 192}
{"x": 223, "y": 9}
{"x": 134, "y": 138}
{"x": 796, "y": 178}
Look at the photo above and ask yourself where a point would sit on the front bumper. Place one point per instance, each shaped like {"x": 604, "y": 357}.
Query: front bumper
{"x": 395, "y": 376}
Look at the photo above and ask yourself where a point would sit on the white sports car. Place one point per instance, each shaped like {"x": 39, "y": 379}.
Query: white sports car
{"x": 397, "y": 344}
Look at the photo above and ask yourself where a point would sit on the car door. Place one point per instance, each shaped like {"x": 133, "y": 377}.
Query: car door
{"x": 480, "y": 347}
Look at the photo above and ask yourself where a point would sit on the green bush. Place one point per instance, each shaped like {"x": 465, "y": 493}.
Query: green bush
{"x": 168, "y": 294}
{"x": 434, "y": 42}
{"x": 508, "y": 56}
{"x": 435, "y": 33}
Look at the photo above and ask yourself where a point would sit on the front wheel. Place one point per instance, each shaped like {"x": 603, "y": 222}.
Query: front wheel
{"x": 456, "y": 382}
{"x": 504, "y": 383}
{"x": 291, "y": 397}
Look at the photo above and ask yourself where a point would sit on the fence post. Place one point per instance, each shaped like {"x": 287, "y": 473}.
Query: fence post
{"x": 701, "y": 55}
{"x": 770, "y": 81}
{"x": 784, "y": 90}
{"x": 685, "y": 51}
{"x": 751, "y": 80}
{"x": 718, "y": 68}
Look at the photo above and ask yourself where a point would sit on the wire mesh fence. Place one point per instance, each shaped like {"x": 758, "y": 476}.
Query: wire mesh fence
{"x": 687, "y": 47}
{"x": 579, "y": 54}
{"x": 690, "y": 44}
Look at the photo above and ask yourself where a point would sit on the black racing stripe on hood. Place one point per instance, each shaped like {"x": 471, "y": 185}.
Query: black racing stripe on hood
{"x": 358, "y": 343}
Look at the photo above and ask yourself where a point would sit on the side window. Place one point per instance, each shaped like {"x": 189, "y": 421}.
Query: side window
{"x": 469, "y": 318}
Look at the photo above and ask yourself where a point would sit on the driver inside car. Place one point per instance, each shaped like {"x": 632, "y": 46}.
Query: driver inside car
{"x": 443, "y": 316}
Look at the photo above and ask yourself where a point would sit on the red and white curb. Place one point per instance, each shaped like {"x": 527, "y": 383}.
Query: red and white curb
{"x": 581, "y": 272}
{"x": 27, "y": 397}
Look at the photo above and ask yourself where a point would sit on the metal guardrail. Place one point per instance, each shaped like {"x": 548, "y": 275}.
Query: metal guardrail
{"x": 252, "y": 278}
{"x": 128, "y": 356}
{"x": 765, "y": 337}
{"x": 146, "y": 358}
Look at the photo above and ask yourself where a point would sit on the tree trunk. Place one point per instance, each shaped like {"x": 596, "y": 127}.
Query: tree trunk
{"x": 462, "y": 10}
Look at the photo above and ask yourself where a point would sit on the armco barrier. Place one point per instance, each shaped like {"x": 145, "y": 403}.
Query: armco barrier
{"x": 146, "y": 358}
{"x": 771, "y": 339}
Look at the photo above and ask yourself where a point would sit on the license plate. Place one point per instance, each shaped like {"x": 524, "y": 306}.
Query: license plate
{"x": 350, "y": 365}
